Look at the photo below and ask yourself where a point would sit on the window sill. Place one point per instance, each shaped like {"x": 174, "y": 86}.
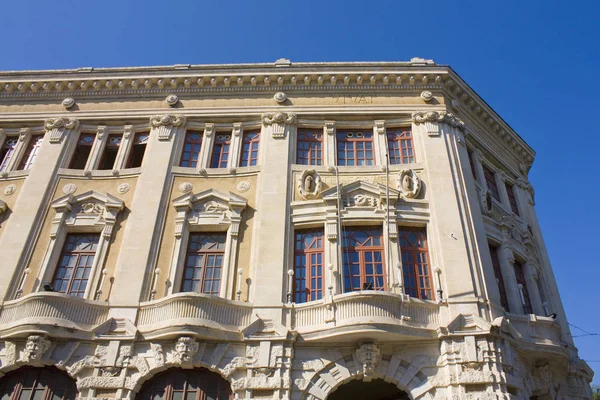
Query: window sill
{"x": 216, "y": 172}
{"x": 14, "y": 174}
{"x": 80, "y": 173}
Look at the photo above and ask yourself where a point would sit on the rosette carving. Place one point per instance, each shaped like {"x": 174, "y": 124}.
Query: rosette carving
{"x": 61, "y": 123}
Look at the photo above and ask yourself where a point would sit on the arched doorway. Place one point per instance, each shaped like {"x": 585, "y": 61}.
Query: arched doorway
{"x": 30, "y": 383}
{"x": 377, "y": 389}
{"x": 186, "y": 384}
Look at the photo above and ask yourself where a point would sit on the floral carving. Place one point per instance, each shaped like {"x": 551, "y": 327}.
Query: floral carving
{"x": 123, "y": 188}
{"x": 61, "y": 123}
{"x": 309, "y": 184}
{"x": 278, "y": 118}
{"x": 167, "y": 120}
{"x": 424, "y": 117}
{"x": 69, "y": 188}
{"x": 361, "y": 200}
{"x": 369, "y": 355}
{"x": 35, "y": 347}
{"x": 409, "y": 183}
{"x": 243, "y": 186}
{"x": 185, "y": 187}
{"x": 185, "y": 349}
{"x": 90, "y": 208}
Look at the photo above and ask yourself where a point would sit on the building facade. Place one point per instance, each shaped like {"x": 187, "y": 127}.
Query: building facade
{"x": 271, "y": 231}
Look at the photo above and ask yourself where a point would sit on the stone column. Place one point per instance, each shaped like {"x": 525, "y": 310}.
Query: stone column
{"x": 329, "y": 144}
{"x": 507, "y": 266}
{"x": 145, "y": 223}
{"x": 269, "y": 254}
{"x": 36, "y": 192}
{"x": 501, "y": 183}
{"x": 531, "y": 277}
{"x": 379, "y": 142}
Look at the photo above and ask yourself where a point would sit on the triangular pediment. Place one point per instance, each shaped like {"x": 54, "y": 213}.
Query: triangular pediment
{"x": 211, "y": 200}
{"x": 265, "y": 328}
{"x": 91, "y": 198}
{"x": 361, "y": 194}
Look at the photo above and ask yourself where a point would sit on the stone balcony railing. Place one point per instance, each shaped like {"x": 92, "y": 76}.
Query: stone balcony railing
{"x": 194, "y": 309}
{"x": 53, "y": 309}
{"x": 362, "y": 308}
{"x": 537, "y": 329}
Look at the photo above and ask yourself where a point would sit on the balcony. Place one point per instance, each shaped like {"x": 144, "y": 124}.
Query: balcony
{"x": 379, "y": 313}
{"x": 536, "y": 329}
{"x": 193, "y": 312}
{"x": 54, "y": 310}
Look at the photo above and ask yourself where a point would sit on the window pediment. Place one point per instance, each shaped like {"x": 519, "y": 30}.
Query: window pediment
{"x": 361, "y": 195}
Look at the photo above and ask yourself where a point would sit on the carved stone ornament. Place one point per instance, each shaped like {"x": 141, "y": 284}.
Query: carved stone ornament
{"x": 90, "y": 208}
{"x": 68, "y": 102}
{"x": 369, "y": 355}
{"x": 185, "y": 187}
{"x": 213, "y": 206}
{"x": 164, "y": 123}
{"x": 172, "y": 100}
{"x": 157, "y": 352}
{"x": 426, "y": 95}
{"x": 57, "y": 127}
{"x": 280, "y": 97}
{"x": 123, "y": 188}
{"x": 10, "y": 189}
{"x": 35, "y": 347}
{"x": 431, "y": 118}
{"x": 278, "y": 120}
{"x": 185, "y": 350}
{"x": 486, "y": 201}
{"x": 309, "y": 184}
{"x": 361, "y": 200}
{"x": 243, "y": 186}
{"x": 409, "y": 183}
{"x": 69, "y": 188}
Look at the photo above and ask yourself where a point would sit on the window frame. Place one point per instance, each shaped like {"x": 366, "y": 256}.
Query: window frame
{"x": 343, "y": 133}
{"x": 209, "y": 211}
{"x": 525, "y": 300}
{"x": 316, "y": 133}
{"x": 489, "y": 176}
{"x": 206, "y": 253}
{"x": 254, "y": 146}
{"x": 227, "y": 140}
{"x": 78, "y": 254}
{"x": 89, "y": 212}
{"x": 309, "y": 277}
{"x": 20, "y": 374}
{"x": 155, "y": 384}
{"x": 399, "y": 141}
{"x": 77, "y": 148}
{"x": 362, "y": 251}
{"x": 512, "y": 198}
{"x": 497, "y": 268}
{"x": 415, "y": 252}
{"x": 199, "y": 142}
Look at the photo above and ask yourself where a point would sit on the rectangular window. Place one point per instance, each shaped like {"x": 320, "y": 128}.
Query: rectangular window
{"x": 191, "y": 149}
{"x": 220, "y": 153}
{"x": 310, "y": 147}
{"x": 525, "y": 300}
{"x": 308, "y": 266}
{"x": 82, "y": 151}
{"x": 499, "y": 278}
{"x": 110, "y": 151}
{"x": 512, "y": 199}
{"x": 31, "y": 153}
{"x": 75, "y": 264}
{"x": 250, "y": 148}
{"x": 364, "y": 268}
{"x": 204, "y": 263}
{"x": 7, "y": 152}
{"x": 490, "y": 180}
{"x": 355, "y": 148}
{"x": 400, "y": 146}
{"x": 137, "y": 150}
{"x": 415, "y": 262}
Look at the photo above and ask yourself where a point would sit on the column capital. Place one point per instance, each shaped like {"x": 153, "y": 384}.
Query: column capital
{"x": 379, "y": 126}
{"x": 330, "y": 127}
{"x": 429, "y": 118}
{"x": 165, "y": 123}
{"x": 277, "y": 121}
{"x": 57, "y": 127}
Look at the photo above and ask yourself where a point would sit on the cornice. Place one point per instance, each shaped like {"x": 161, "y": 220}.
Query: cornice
{"x": 281, "y": 76}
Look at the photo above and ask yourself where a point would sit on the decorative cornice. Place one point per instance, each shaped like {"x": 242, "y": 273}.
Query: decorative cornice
{"x": 279, "y": 118}
{"x": 167, "y": 120}
{"x": 61, "y": 123}
{"x": 420, "y": 117}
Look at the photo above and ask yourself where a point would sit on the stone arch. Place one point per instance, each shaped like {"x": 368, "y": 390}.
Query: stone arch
{"x": 201, "y": 373}
{"x": 407, "y": 376}
{"x": 52, "y": 379}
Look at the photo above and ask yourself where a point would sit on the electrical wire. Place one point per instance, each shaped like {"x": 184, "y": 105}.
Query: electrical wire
{"x": 586, "y": 333}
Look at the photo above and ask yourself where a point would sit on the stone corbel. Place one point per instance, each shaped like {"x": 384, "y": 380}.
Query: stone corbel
{"x": 329, "y": 127}
{"x": 379, "y": 127}
{"x": 182, "y": 208}
{"x": 209, "y": 129}
{"x": 164, "y": 124}
{"x": 57, "y": 127}
{"x": 24, "y": 134}
{"x": 278, "y": 121}
{"x": 432, "y": 119}
{"x": 62, "y": 210}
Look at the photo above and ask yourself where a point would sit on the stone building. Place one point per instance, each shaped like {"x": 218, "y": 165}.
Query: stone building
{"x": 271, "y": 231}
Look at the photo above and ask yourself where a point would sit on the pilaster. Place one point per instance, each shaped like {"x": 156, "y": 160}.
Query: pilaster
{"x": 507, "y": 266}
{"x": 145, "y": 223}
{"x": 329, "y": 143}
{"x": 35, "y": 194}
{"x": 531, "y": 277}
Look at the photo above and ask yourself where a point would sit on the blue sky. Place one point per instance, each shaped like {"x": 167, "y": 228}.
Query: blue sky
{"x": 535, "y": 62}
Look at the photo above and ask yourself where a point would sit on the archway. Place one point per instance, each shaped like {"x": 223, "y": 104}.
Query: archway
{"x": 184, "y": 384}
{"x": 31, "y": 383}
{"x": 377, "y": 389}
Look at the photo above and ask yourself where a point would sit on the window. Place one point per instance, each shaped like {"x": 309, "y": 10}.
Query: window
{"x": 363, "y": 259}
{"x": 110, "y": 151}
{"x": 181, "y": 384}
{"x": 7, "y": 152}
{"x": 82, "y": 151}
{"x": 355, "y": 148}
{"x": 499, "y": 278}
{"x": 524, "y": 293}
{"x": 308, "y": 266}
{"x": 415, "y": 263}
{"x": 220, "y": 153}
{"x": 512, "y": 199}
{"x": 191, "y": 149}
{"x": 137, "y": 150}
{"x": 400, "y": 146}
{"x": 204, "y": 263}
{"x": 250, "y": 148}
{"x": 32, "y": 149}
{"x": 490, "y": 180}
{"x": 28, "y": 383}
{"x": 75, "y": 264}
{"x": 310, "y": 147}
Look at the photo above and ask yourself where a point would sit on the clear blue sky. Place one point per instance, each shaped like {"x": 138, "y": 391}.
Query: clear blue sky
{"x": 535, "y": 62}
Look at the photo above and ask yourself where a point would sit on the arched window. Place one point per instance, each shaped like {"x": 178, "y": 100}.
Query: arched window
{"x": 179, "y": 384}
{"x": 29, "y": 383}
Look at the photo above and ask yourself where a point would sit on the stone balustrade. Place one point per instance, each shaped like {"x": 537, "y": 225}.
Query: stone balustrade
{"x": 537, "y": 329}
